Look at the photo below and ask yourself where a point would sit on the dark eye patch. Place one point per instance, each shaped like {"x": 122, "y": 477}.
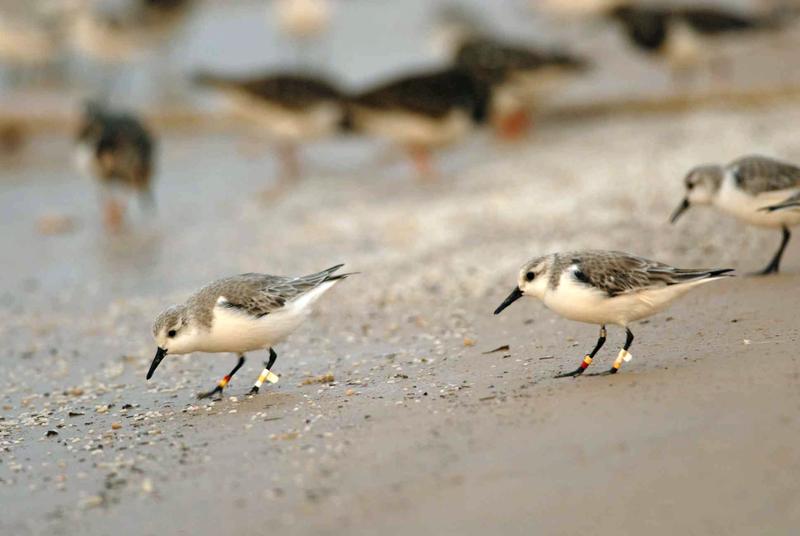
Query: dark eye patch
{"x": 171, "y": 333}
{"x": 582, "y": 277}
{"x": 529, "y": 276}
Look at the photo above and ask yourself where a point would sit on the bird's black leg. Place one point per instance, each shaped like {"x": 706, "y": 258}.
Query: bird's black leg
{"x": 587, "y": 360}
{"x": 623, "y": 354}
{"x": 224, "y": 381}
{"x": 266, "y": 374}
{"x": 774, "y": 264}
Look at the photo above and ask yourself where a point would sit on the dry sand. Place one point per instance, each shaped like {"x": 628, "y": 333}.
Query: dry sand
{"x": 420, "y": 432}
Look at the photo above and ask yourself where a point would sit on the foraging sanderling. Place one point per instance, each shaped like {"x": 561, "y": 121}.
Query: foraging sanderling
{"x": 240, "y": 314}
{"x": 605, "y": 287}
{"x": 744, "y": 188}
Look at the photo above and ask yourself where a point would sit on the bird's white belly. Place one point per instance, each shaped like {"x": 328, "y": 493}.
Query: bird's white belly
{"x": 290, "y": 125}
{"x": 412, "y": 129}
{"x": 237, "y": 332}
{"x": 585, "y": 304}
{"x": 747, "y": 207}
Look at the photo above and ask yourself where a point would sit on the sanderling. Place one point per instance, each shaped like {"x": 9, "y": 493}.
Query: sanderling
{"x": 743, "y": 188}
{"x": 521, "y": 75}
{"x": 290, "y": 107}
{"x": 117, "y": 150}
{"x": 680, "y": 34}
{"x": 240, "y": 314}
{"x": 422, "y": 111}
{"x": 605, "y": 287}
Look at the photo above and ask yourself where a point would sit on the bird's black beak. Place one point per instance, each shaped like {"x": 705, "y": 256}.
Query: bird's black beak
{"x": 160, "y": 354}
{"x": 514, "y": 296}
{"x": 680, "y": 210}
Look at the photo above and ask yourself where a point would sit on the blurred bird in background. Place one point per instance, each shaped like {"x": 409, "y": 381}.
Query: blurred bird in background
{"x": 112, "y": 33}
{"x": 684, "y": 36}
{"x": 421, "y": 112}
{"x": 118, "y": 151}
{"x": 521, "y": 75}
{"x": 290, "y": 108}
{"x": 31, "y": 36}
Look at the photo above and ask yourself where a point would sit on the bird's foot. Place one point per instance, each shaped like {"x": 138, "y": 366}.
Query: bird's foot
{"x": 216, "y": 393}
{"x": 574, "y": 374}
{"x": 608, "y": 372}
{"x": 253, "y": 391}
{"x": 769, "y": 270}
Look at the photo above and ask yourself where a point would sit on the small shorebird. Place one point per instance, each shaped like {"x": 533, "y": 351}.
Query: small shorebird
{"x": 743, "y": 188}
{"x": 240, "y": 314}
{"x": 291, "y": 108}
{"x": 605, "y": 287}
{"x": 116, "y": 149}
{"x": 521, "y": 75}
{"x": 682, "y": 34}
{"x": 422, "y": 111}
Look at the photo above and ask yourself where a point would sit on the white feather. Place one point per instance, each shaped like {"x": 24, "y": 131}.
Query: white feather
{"x": 583, "y": 303}
{"x": 746, "y": 207}
{"x": 238, "y": 332}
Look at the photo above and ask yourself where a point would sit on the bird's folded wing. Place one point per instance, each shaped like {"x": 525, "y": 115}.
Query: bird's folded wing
{"x": 757, "y": 175}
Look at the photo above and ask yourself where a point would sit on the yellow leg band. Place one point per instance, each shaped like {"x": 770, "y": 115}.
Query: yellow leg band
{"x": 587, "y": 360}
{"x": 224, "y": 381}
{"x": 266, "y": 375}
{"x": 617, "y": 362}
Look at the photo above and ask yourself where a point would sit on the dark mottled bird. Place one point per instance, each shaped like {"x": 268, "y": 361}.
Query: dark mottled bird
{"x": 421, "y": 111}
{"x": 683, "y": 34}
{"x": 116, "y": 149}
{"x": 521, "y": 75}
{"x": 291, "y": 108}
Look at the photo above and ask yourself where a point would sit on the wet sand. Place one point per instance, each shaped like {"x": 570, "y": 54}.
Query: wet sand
{"x": 420, "y": 431}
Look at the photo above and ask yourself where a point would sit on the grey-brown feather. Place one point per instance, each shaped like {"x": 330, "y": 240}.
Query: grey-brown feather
{"x": 759, "y": 174}
{"x": 254, "y": 294}
{"x": 251, "y": 294}
{"x": 616, "y": 273}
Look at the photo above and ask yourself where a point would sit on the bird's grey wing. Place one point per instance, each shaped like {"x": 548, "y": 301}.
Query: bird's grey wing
{"x": 757, "y": 175}
{"x": 262, "y": 294}
{"x": 613, "y": 273}
{"x": 618, "y": 273}
{"x": 289, "y": 288}
{"x": 251, "y": 294}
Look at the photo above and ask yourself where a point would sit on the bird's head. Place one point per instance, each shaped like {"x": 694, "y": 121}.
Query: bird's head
{"x": 702, "y": 185}
{"x": 532, "y": 281}
{"x": 172, "y": 334}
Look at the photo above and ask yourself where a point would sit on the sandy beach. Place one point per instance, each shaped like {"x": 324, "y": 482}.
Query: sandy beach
{"x": 404, "y": 405}
{"x": 418, "y": 431}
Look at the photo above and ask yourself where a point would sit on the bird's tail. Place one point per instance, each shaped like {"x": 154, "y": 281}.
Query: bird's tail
{"x": 691, "y": 275}
{"x": 790, "y": 203}
{"x": 330, "y": 276}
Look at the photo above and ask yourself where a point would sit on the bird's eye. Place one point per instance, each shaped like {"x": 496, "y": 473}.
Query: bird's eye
{"x": 529, "y": 276}
{"x": 171, "y": 333}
